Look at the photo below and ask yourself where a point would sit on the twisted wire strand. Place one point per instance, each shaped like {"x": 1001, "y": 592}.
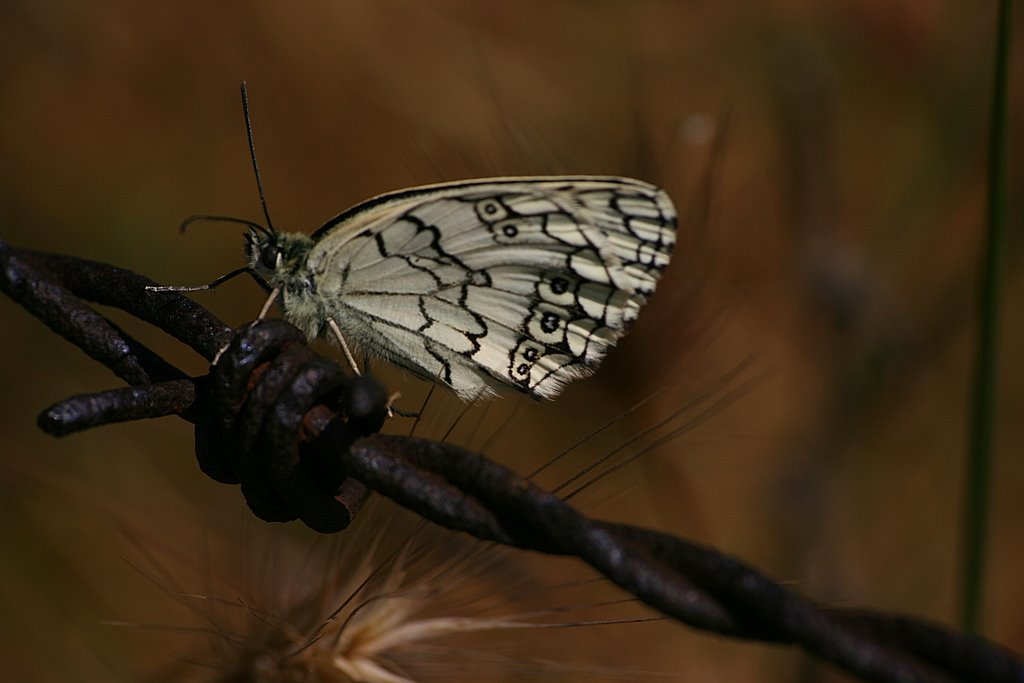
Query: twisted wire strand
{"x": 299, "y": 436}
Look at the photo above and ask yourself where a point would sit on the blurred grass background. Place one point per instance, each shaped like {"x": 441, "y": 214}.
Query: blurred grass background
{"x": 838, "y": 251}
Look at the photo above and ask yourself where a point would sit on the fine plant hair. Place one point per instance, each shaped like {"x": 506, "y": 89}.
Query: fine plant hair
{"x": 391, "y": 595}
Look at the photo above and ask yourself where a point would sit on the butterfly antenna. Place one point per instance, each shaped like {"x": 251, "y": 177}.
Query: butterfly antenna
{"x": 252, "y": 155}
{"x": 204, "y": 217}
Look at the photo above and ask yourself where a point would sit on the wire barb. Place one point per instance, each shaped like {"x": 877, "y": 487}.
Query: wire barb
{"x": 299, "y": 436}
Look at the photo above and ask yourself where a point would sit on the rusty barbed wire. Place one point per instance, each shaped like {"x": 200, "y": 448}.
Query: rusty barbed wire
{"x": 300, "y": 438}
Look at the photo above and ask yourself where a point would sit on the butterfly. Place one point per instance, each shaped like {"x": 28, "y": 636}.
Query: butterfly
{"x": 522, "y": 282}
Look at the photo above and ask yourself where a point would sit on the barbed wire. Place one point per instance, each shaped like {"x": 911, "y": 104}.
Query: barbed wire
{"x": 301, "y": 439}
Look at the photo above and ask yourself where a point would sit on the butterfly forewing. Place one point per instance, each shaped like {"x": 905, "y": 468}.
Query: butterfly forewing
{"x": 515, "y": 281}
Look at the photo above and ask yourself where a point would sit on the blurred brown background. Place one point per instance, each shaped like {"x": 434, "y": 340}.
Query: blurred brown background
{"x": 830, "y": 241}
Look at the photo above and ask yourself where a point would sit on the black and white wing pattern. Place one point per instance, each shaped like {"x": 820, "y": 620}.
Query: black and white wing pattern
{"x": 522, "y": 282}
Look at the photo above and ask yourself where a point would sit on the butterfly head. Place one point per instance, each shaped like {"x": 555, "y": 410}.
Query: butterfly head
{"x": 276, "y": 258}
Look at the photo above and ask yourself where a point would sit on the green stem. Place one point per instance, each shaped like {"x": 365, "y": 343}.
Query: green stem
{"x": 985, "y": 373}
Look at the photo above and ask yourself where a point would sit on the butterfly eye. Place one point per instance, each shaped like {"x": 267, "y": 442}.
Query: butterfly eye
{"x": 268, "y": 257}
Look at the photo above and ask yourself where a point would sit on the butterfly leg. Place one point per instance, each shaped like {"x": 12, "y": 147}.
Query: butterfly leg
{"x": 268, "y": 303}
{"x": 392, "y": 410}
{"x": 344, "y": 346}
{"x": 263, "y": 314}
{"x": 403, "y": 413}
